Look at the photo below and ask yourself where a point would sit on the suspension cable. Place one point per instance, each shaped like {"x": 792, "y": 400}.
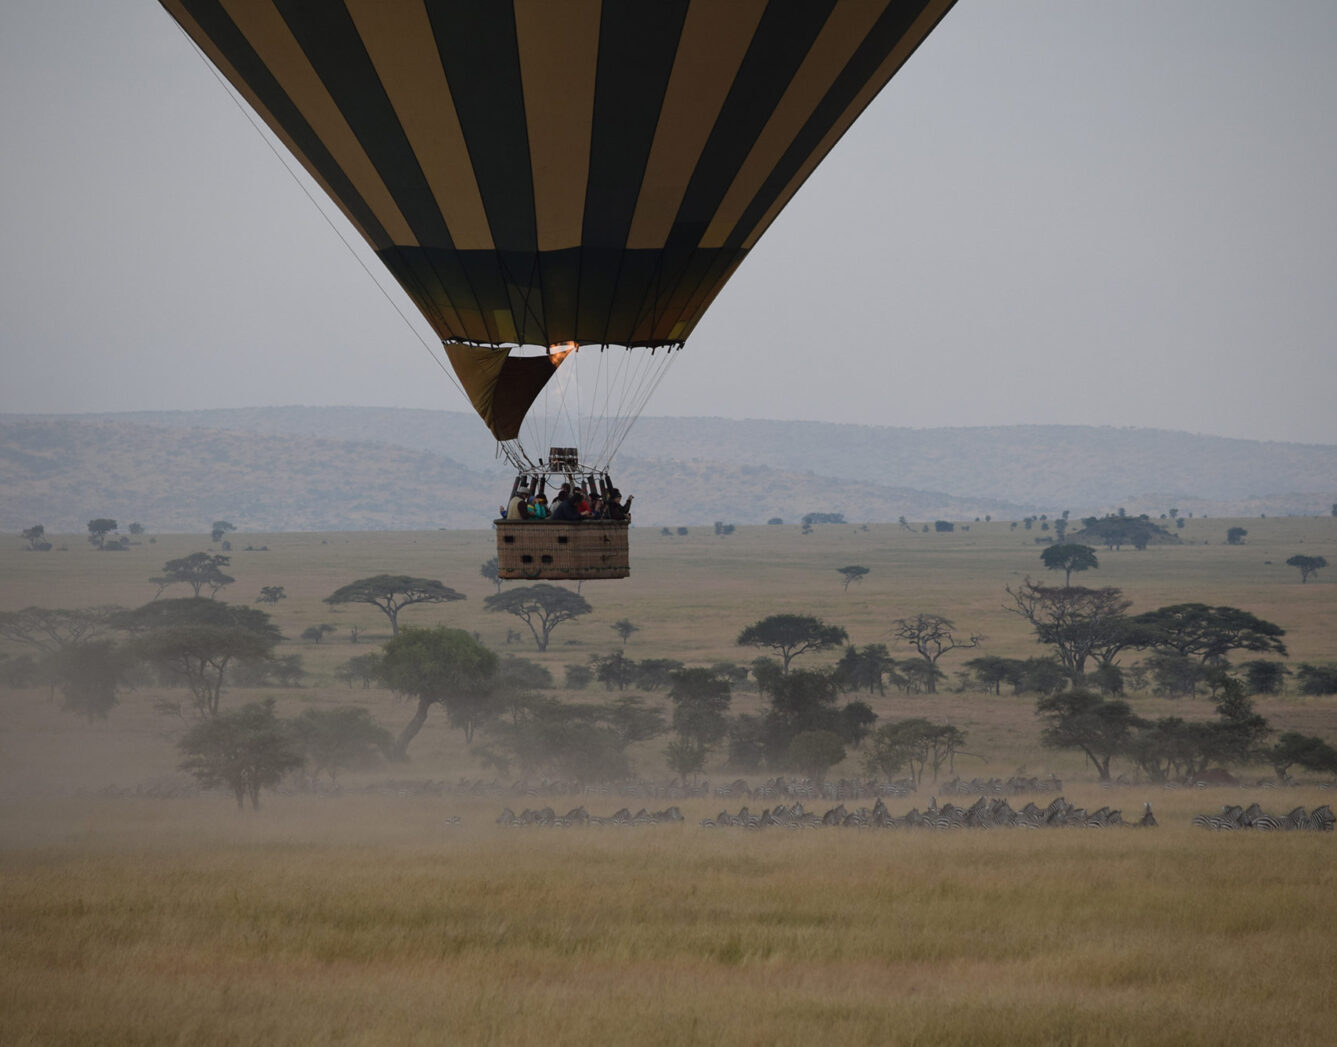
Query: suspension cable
{"x": 253, "y": 120}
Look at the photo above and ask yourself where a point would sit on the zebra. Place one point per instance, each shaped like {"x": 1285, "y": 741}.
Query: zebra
{"x": 1103, "y": 819}
{"x": 1055, "y": 812}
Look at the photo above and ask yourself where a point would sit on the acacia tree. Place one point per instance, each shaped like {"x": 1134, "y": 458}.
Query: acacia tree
{"x": 98, "y": 530}
{"x": 1307, "y": 565}
{"x": 244, "y": 751}
{"x": 198, "y": 570}
{"x": 1079, "y": 623}
{"x": 624, "y": 627}
{"x": 790, "y": 635}
{"x": 271, "y": 594}
{"x": 992, "y": 671}
{"x": 220, "y": 528}
{"x": 440, "y": 666}
{"x": 932, "y": 636}
{"x": 542, "y": 607}
{"x": 852, "y": 573}
{"x": 1099, "y": 728}
{"x": 915, "y": 744}
{"x": 35, "y": 536}
{"x": 1068, "y": 558}
{"x": 1116, "y": 531}
{"x": 1208, "y": 633}
{"x": 1310, "y": 752}
{"x": 391, "y": 593}
{"x": 49, "y": 629}
{"x": 492, "y": 572}
{"x": 197, "y": 640}
{"x": 861, "y": 667}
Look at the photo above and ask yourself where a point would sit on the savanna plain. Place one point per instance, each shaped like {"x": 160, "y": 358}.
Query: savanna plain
{"x": 388, "y": 915}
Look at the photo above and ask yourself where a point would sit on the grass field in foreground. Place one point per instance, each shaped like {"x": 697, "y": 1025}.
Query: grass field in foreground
{"x": 364, "y": 920}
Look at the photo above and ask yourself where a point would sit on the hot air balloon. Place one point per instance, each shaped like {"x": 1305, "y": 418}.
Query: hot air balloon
{"x": 562, "y": 187}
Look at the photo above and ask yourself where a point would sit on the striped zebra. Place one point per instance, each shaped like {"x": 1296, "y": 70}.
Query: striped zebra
{"x": 1055, "y": 812}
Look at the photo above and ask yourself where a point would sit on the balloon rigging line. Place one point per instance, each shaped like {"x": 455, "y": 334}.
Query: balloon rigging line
{"x": 629, "y": 382}
{"x": 251, "y": 119}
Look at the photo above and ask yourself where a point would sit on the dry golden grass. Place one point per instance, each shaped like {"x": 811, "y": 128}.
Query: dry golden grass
{"x": 362, "y": 919}
{"x": 367, "y": 922}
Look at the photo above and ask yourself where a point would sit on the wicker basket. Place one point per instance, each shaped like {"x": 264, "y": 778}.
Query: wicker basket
{"x": 536, "y": 550}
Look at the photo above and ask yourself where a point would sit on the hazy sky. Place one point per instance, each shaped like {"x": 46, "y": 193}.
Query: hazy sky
{"x": 1074, "y": 211}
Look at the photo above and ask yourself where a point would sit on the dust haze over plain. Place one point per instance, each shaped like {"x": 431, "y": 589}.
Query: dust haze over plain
{"x": 1058, "y": 212}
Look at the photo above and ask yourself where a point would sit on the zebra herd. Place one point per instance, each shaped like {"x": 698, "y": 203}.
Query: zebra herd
{"x": 982, "y": 814}
{"x": 547, "y": 818}
{"x": 1232, "y": 817}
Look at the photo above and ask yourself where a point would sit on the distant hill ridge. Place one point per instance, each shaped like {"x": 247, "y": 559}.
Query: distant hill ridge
{"x": 344, "y": 468}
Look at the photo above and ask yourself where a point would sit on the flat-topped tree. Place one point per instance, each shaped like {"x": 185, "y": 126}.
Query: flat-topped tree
{"x": 392, "y": 593}
{"x": 50, "y": 630}
{"x": 853, "y": 573}
{"x": 271, "y": 594}
{"x": 790, "y": 635}
{"x": 1069, "y": 557}
{"x": 197, "y": 641}
{"x": 198, "y": 570}
{"x": 1307, "y": 565}
{"x": 541, "y": 607}
{"x": 1195, "y": 630}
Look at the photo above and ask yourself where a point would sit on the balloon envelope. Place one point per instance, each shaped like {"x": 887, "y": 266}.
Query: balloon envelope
{"x": 536, "y": 173}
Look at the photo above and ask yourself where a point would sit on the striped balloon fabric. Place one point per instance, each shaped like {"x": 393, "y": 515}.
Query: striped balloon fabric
{"x": 543, "y": 172}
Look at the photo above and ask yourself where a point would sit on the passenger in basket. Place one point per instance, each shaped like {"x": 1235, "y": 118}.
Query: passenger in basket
{"x": 539, "y": 509}
{"x": 518, "y": 508}
{"x": 615, "y": 510}
{"x": 564, "y": 509}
